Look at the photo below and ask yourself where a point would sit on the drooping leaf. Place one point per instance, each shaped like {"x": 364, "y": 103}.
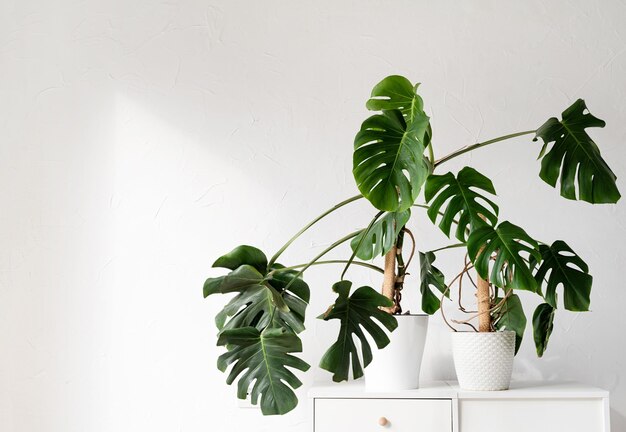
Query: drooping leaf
{"x": 512, "y": 247}
{"x": 243, "y": 255}
{"x": 263, "y": 358}
{"x": 356, "y": 314}
{"x": 511, "y": 317}
{"x": 563, "y": 267}
{"x": 463, "y": 200}
{"x": 388, "y": 163}
{"x": 257, "y": 295}
{"x": 574, "y": 159}
{"x": 381, "y": 237}
{"x": 430, "y": 276}
{"x": 543, "y": 323}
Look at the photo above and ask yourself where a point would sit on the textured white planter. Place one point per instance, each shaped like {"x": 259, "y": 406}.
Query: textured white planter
{"x": 483, "y": 361}
{"x": 397, "y": 366}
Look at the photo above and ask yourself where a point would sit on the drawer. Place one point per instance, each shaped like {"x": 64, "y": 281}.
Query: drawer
{"x": 548, "y": 415}
{"x": 363, "y": 415}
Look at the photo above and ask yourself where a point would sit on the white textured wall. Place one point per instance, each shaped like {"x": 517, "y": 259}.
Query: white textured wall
{"x": 141, "y": 139}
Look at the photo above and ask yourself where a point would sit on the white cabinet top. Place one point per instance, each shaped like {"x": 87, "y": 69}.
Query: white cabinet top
{"x": 450, "y": 390}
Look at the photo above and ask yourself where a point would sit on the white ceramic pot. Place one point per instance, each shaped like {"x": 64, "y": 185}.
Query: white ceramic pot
{"x": 397, "y": 366}
{"x": 483, "y": 361}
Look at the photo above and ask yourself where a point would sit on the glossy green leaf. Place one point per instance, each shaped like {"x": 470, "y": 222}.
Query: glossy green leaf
{"x": 356, "y": 314}
{"x": 512, "y": 247}
{"x": 574, "y": 159}
{"x": 257, "y": 295}
{"x": 511, "y": 317}
{"x": 381, "y": 237}
{"x": 388, "y": 163}
{"x": 561, "y": 266}
{"x": 396, "y": 93}
{"x": 430, "y": 276}
{"x": 243, "y": 255}
{"x": 463, "y": 201}
{"x": 262, "y": 361}
{"x": 543, "y": 323}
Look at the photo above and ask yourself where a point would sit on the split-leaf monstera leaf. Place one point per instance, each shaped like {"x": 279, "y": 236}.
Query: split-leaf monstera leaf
{"x": 512, "y": 247}
{"x": 356, "y": 313}
{"x": 567, "y": 269}
{"x": 430, "y": 276}
{"x": 463, "y": 200}
{"x": 388, "y": 162}
{"x": 258, "y": 291}
{"x": 511, "y": 317}
{"x": 381, "y": 236}
{"x": 543, "y": 323}
{"x": 574, "y": 159}
{"x": 259, "y": 327}
{"x": 263, "y": 358}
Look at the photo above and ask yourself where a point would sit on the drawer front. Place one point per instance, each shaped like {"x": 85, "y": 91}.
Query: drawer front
{"x": 365, "y": 415}
{"x": 536, "y": 415}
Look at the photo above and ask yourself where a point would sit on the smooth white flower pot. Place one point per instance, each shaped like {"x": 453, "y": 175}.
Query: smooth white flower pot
{"x": 483, "y": 361}
{"x": 397, "y": 366}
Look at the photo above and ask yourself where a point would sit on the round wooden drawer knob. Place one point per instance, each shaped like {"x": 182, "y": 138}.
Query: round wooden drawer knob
{"x": 383, "y": 421}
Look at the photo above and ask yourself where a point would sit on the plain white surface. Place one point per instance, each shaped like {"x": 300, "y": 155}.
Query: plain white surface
{"x": 142, "y": 139}
{"x": 397, "y": 366}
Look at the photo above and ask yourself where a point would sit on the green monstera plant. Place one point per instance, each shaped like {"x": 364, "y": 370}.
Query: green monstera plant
{"x": 395, "y": 169}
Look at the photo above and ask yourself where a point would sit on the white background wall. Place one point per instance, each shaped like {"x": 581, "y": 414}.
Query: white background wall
{"x": 142, "y": 139}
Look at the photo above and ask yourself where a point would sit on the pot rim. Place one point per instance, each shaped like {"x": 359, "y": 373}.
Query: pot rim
{"x": 469, "y": 332}
{"x": 411, "y": 315}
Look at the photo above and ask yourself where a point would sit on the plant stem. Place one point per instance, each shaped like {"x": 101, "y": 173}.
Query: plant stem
{"x": 310, "y": 224}
{"x": 457, "y": 245}
{"x": 360, "y": 263}
{"x": 324, "y": 252}
{"x": 479, "y": 145}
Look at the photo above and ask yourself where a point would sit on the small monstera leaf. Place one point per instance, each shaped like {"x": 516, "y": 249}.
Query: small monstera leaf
{"x": 511, "y": 245}
{"x": 511, "y": 317}
{"x": 397, "y": 93}
{"x": 575, "y": 159}
{"x": 381, "y": 236}
{"x": 356, "y": 313}
{"x": 543, "y": 323}
{"x": 241, "y": 255}
{"x": 567, "y": 269}
{"x": 258, "y": 292}
{"x": 463, "y": 200}
{"x": 388, "y": 162}
{"x": 263, "y": 358}
{"x": 430, "y": 276}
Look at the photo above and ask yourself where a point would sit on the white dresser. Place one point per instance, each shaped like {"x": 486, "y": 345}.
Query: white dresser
{"x": 443, "y": 407}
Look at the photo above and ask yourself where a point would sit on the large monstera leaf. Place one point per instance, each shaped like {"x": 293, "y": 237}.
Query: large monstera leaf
{"x": 574, "y": 158}
{"x": 463, "y": 200}
{"x": 543, "y": 323}
{"x": 381, "y": 236}
{"x": 430, "y": 276}
{"x": 567, "y": 269}
{"x": 258, "y": 292}
{"x": 388, "y": 162}
{"x": 356, "y": 313}
{"x": 512, "y": 247}
{"x": 263, "y": 358}
{"x": 511, "y": 317}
